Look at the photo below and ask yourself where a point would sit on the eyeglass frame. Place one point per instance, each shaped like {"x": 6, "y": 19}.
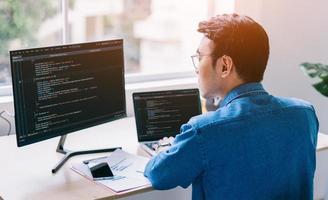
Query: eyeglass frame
{"x": 199, "y": 57}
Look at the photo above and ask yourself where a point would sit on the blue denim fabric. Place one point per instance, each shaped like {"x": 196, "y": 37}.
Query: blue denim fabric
{"x": 255, "y": 146}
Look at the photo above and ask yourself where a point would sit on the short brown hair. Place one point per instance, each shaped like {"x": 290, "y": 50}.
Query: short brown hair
{"x": 241, "y": 38}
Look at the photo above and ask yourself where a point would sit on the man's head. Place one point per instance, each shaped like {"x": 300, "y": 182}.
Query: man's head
{"x": 234, "y": 50}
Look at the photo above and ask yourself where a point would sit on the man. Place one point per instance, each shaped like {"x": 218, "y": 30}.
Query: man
{"x": 255, "y": 145}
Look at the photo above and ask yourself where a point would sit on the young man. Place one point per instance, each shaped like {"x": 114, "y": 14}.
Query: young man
{"x": 255, "y": 145}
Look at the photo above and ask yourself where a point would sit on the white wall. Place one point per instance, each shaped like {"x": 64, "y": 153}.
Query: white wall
{"x": 298, "y": 32}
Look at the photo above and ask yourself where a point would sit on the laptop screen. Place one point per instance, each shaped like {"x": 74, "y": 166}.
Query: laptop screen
{"x": 161, "y": 114}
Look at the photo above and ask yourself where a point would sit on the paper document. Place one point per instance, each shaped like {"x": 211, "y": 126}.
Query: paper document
{"x": 127, "y": 168}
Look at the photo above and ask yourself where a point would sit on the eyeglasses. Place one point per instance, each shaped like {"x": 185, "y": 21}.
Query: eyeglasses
{"x": 196, "y": 58}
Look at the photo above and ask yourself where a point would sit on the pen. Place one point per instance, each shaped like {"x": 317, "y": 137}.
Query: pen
{"x": 114, "y": 178}
{"x": 87, "y": 161}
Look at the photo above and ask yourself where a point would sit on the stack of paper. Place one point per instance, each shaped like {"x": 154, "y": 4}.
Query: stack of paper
{"x": 127, "y": 169}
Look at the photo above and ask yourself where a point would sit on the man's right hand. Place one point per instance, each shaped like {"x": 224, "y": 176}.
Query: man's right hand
{"x": 163, "y": 144}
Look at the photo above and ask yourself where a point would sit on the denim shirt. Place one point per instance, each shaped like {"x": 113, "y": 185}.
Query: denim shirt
{"x": 255, "y": 146}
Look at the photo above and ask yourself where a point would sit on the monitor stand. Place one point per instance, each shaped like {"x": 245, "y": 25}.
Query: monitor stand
{"x": 69, "y": 153}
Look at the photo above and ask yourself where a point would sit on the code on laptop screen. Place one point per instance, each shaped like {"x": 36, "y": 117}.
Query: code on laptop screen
{"x": 161, "y": 114}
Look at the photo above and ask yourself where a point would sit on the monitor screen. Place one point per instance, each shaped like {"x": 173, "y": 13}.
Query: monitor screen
{"x": 62, "y": 89}
{"x": 161, "y": 114}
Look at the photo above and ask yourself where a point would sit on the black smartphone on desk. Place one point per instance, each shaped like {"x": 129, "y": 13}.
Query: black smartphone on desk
{"x": 101, "y": 171}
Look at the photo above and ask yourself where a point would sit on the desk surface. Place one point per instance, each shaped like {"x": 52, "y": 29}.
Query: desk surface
{"x": 26, "y": 172}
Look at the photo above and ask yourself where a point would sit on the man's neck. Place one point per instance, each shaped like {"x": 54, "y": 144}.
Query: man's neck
{"x": 230, "y": 87}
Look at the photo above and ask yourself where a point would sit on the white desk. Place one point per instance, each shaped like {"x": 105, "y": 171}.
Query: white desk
{"x": 25, "y": 172}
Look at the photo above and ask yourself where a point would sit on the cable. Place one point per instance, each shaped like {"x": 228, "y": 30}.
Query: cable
{"x": 9, "y": 114}
{"x": 6, "y": 121}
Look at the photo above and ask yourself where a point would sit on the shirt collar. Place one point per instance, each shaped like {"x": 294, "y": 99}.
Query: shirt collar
{"x": 242, "y": 90}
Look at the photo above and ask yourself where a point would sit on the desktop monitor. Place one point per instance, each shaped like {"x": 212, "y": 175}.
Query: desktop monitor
{"x": 61, "y": 89}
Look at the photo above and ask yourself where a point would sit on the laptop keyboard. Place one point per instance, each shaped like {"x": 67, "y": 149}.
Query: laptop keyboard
{"x": 150, "y": 144}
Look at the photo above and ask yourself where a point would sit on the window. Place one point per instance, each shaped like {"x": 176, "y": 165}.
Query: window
{"x": 159, "y": 35}
{"x": 23, "y": 24}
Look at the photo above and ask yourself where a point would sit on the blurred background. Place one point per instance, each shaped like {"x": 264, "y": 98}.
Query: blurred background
{"x": 159, "y": 35}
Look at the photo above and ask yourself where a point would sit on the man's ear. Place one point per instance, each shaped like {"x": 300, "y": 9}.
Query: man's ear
{"x": 226, "y": 65}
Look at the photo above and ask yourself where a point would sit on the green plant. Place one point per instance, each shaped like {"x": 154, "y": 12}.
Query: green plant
{"x": 20, "y": 19}
{"x": 319, "y": 73}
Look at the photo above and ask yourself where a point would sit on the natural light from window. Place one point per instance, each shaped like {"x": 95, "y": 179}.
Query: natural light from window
{"x": 159, "y": 35}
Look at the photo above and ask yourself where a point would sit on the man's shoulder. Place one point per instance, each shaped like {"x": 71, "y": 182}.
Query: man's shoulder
{"x": 208, "y": 118}
{"x": 287, "y": 102}
{"x": 234, "y": 111}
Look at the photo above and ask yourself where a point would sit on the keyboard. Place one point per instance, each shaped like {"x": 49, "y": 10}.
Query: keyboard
{"x": 150, "y": 144}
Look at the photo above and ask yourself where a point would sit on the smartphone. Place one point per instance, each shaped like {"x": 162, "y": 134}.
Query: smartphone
{"x": 101, "y": 171}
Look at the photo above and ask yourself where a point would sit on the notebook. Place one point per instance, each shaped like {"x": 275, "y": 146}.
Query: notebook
{"x": 160, "y": 114}
{"x": 127, "y": 168}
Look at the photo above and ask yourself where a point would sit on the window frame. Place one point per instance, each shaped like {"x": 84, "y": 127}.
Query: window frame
{"x": 6, "y": 89}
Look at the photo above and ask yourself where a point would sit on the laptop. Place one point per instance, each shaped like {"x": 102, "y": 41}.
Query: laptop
{"x": 160, "y": 114}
